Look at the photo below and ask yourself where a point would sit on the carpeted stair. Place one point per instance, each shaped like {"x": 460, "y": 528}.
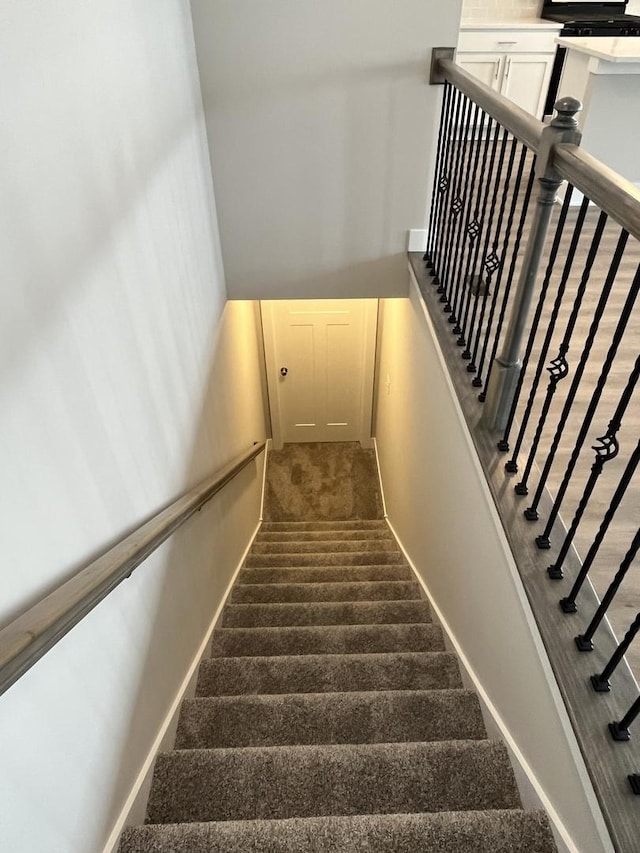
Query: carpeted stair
{"x": 330, "y": 718}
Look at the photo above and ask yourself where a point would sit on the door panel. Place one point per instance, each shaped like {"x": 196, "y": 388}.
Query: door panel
{"x": 485, "y": 66}
{"x": 300, "y": 346}
{"x": 526, "y": 80}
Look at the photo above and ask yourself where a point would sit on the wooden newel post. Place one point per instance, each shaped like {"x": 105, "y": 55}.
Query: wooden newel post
{"x": 507, "y": 365}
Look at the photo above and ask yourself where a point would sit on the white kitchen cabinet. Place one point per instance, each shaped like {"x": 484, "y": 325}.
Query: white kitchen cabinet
{"x": 516, "y": 62}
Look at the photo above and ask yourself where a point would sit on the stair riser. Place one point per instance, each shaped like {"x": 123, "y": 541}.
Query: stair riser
{"x": 339, "y": 613}
{"x": 322, "y": 526}
{"x": 281, "y": 782}
{"x": 391, "y": 717}
{"x": 321, "y": 558}
{"x": 326, "y": 574}
{"x": 327, "y": 674}
{"x": 326, "y": 640}
{"x": 329, "y": 546}
{"x": 301, "y": 592}
{"x": 326, "y": 535}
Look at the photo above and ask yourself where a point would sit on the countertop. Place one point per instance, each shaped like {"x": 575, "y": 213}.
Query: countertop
{"x": 619, "y": 50}
{"x": 511, "y": 24}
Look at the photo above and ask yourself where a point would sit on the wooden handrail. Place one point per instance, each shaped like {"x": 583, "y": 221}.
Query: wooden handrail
{"x": 25, "y": 640}
{"x": 512, "y": 117}
{"x": 613, "y": 194}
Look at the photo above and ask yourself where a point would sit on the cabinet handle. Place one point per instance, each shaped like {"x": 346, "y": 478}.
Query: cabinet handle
{"x": 507, "y": 42}
{"x": 506, "y": 73}
{"x": 498, "y": 64}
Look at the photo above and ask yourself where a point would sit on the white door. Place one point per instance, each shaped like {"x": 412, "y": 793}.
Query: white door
{"x": 320, "y": 357}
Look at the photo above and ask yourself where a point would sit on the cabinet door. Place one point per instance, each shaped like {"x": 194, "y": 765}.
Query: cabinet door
{"x": 526, "y": 80}
{"x": 487, "y": 67}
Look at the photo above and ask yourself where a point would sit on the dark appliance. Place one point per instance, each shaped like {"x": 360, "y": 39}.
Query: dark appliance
{"x": 586, "y": 18}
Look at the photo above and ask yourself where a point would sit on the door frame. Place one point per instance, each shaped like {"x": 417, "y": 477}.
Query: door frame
{"x": 369, "y": 361}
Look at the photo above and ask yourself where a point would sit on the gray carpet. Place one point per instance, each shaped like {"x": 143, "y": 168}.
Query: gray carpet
{"x": 329, "y": 716}
{"x": 331, "y": 481}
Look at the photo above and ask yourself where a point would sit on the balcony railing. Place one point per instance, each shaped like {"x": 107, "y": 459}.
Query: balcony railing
{"x": 532, "y": 273}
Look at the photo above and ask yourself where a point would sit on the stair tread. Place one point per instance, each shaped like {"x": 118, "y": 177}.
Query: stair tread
{"x": 325, "y": 613}
{"x": 325, "y": 546}
{"x": 330, "y": 718}
{"x": 326, "y": 639}
{"x": 322, "y": 558}
{"x": 338, "y": 524}
{"x": 496, "y": 831}
{"x": 328, "y": 673}
{"x": 362, "y": 534}
{"x": 324, "y": 574}
{"x": 312, "y": 781}
{"x": 325, "y": 591}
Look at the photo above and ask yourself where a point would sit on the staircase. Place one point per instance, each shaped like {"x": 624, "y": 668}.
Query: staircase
{"x": 330, "y": 718}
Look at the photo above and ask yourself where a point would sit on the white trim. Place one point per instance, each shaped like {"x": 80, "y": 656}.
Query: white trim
{"x": 267, "y": 450}
{"x": 368, "y": 355}
{"x": 505, "y": 734}
{"x": 114, "y": 838}
{"x": 384, "y": 505}
{"x": 417, "y": 240}
{"x": 268, "y": 336}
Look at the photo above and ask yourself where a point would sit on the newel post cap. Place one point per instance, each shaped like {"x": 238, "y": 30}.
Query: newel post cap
{"x": 567, "y": 109}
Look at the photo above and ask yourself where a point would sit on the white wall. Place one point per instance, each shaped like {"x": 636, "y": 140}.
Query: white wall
{"x": 124, "y": 380}
{"x": 439, "y": 505}
{"x": 321, "y": 126}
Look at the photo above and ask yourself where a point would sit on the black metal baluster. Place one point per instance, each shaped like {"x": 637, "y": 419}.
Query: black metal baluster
{"x": 542, "y": 540}
{"x": 620, "y": 730}
{"x": 435, "y": 196}
{"x": 568, "y": 604}
{"x": 512, "y": 267}
{"x": 503, "y": 444}
{"x": 606, "y": 450}
{"x": 600, "y": 682}
{"x": 456, "y": 200}
{"x": 477, "y": 380}
{"x": 488, "y": 261}
{"x": 443, "y": 187}
{"x": 493, "y": 263}
{"x": 457, "y": 206}
{"x": 585, "y": 641}
{"x": 470, "y": 184}
{"x": 471, "y": 275}
{"x": 557, "y": 370}
{"x": 445, "y": 223}
{"x": 472, "y": 230}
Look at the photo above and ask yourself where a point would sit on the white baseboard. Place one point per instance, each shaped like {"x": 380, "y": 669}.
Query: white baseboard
{"x": 531, "y": 792}
{"x": 417, "y": 240}
{"x": 166, "y": 732}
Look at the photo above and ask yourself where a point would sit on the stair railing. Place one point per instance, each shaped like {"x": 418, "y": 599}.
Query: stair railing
{"x": 524, "y": 280}
{"x": 28, "y": 637}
